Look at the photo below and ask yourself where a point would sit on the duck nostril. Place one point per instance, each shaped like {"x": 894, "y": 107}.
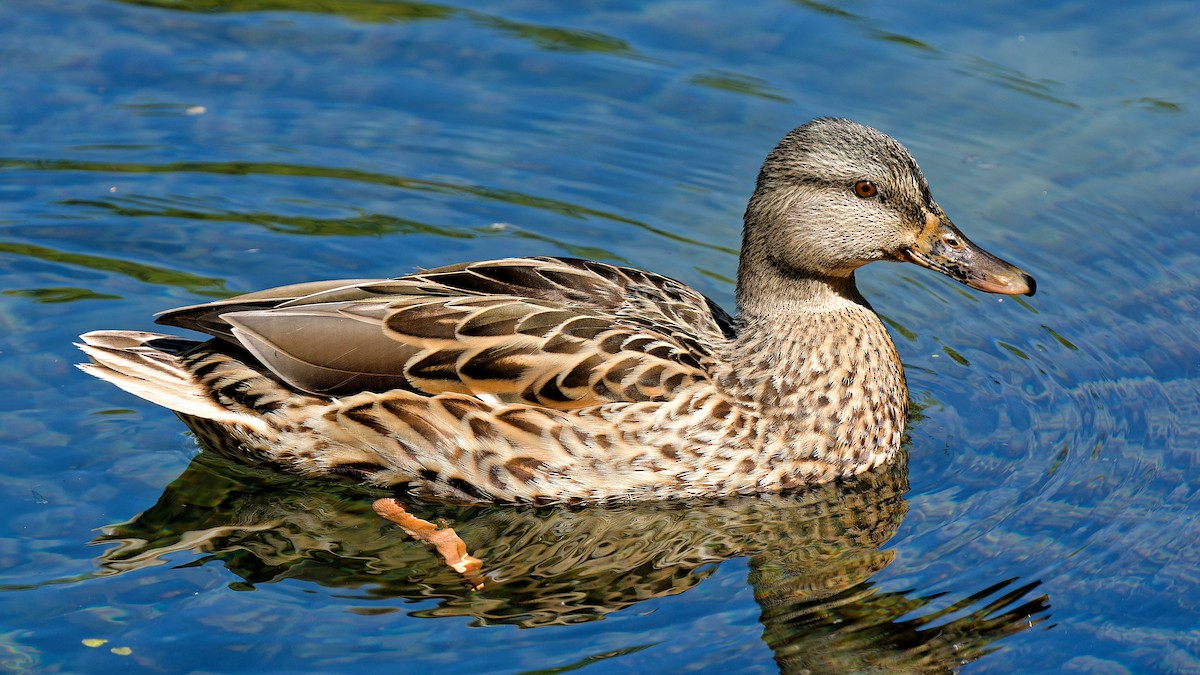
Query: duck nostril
{"x": 953, "y": 242}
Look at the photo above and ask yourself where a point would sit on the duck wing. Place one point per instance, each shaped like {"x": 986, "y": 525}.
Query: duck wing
{"x": 555, "y": 332}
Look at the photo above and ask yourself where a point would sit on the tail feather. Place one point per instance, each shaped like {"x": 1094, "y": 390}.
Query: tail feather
{"x": 148, "y": 365}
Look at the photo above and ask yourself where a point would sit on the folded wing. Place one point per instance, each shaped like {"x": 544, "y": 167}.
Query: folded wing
{"x": 555, "y": 332}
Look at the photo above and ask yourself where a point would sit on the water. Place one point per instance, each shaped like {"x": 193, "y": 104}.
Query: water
{"x": 155, "y": 153}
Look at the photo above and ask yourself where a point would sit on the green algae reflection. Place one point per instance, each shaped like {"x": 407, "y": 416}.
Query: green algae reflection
{"x": 375, "y": 11}
{"x": 159, "y": 276}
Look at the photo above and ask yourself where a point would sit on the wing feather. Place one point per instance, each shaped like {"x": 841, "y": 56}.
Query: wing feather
{"x": 556, "y": 332}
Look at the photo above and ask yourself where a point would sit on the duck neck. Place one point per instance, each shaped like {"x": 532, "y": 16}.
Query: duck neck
{"x": 768, "y": 292}
{"x": 798, "y": 332}
{"x": 819, "y": 368}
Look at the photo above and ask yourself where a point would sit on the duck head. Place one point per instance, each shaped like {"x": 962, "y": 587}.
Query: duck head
{"x": 835, "y": 195}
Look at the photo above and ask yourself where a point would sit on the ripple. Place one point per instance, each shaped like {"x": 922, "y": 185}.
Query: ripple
{"x": 374, "y": 11}
{"x": 512, "y": 197}
{"x": 810, "y": 560}
{"x": 200, "y": 285}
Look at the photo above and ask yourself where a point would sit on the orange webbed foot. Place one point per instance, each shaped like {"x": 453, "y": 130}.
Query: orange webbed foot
{"x": 445, "y": 541}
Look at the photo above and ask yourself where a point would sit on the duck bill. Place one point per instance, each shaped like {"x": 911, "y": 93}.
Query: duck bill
{"x": 942, "y": 248}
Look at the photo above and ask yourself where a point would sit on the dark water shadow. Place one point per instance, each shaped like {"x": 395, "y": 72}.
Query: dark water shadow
{"x": 417, "y": 185}
{"x": 362, "y": 225}
{"x": 812, "y": 556}
{"x": 551, "y": 38}
{"x": 738, "y": 83}
{"x": 150, "y": 274}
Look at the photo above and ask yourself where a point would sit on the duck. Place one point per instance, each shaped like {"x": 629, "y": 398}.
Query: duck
{"x": 552, "y": 380}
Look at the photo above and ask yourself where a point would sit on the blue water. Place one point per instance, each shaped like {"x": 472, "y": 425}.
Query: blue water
{"x": 156, "y": 153}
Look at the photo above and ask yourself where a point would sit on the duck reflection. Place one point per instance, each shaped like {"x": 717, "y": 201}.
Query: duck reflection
{"x": 811, "y": 554}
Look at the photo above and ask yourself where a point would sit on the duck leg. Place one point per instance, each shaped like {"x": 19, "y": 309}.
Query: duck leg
{"x": 445, "y": 541}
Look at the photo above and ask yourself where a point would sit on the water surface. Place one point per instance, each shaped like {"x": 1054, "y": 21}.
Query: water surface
{"x": 157, "y": 153}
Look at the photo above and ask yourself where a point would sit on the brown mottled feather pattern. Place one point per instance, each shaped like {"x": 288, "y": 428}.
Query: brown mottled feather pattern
{"x": 700, "y": 441}
{"x": 561, "y": 380}
{"x": 554, "y": 332}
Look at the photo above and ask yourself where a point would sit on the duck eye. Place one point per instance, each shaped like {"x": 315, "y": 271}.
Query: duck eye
{"x": 865, "y": 189}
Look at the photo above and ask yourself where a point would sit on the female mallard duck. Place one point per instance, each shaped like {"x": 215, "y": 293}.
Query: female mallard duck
{"x": 561, "y": 380}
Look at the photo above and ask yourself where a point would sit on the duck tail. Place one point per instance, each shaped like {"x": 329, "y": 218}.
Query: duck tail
{"x": 151, "y": 366}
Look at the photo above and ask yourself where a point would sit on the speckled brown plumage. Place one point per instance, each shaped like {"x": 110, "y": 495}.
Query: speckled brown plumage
{"x": 560, "y": 380}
